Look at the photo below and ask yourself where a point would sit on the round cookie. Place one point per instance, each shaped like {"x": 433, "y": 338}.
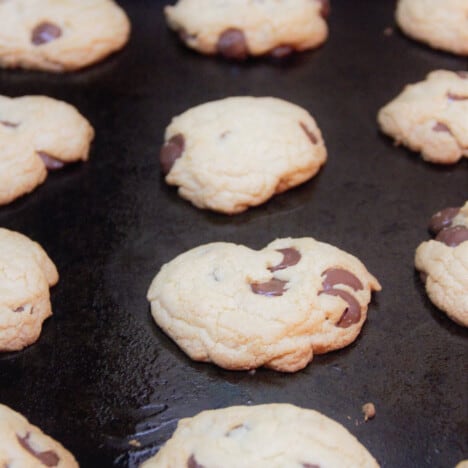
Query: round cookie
{"x": 25, "y": 445}
{"x": 262, "y": 436}
{"x": 26, "y": 273}
{"x": 441, "y": 24}
{"x": 38, "y": 133}
{"x": 236, "y": 29}
{"x": 443, "y": 263}
{"x": 60, "y": 35}
{"x": 431, "y": 117}
{"x": 231, "y": 154}
{"x": 243, "y": 309}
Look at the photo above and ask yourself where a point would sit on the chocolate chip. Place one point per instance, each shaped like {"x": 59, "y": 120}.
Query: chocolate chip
{"x": 352, "y": 313}
{"x": 44, "y": 33}
{"x": 9, "y": 124}
{"x": 311, "y": 136}
{"x": 441, "y": 127}
{"x": 232, "y": 44}
{"x": 274, "y": 287}
{"x": 192, "y": 462}
{"x": 462, "y": 74}
{"x": 453, "y": 236}
{"x": 456, "y": 97}
{"x": 19, "y": 309}
{"x": 443, "y": 219}
{"x": 171, "y": 151}
{"x": 291, "y": 257}
{"x": 334, "y": 276}
{"x": 310, "y": 465}
{"x": 325, "y": 8}
{"x": 282, "y": 51}
{"x": 49, "y": 161}
{"x": 47, "y": 458}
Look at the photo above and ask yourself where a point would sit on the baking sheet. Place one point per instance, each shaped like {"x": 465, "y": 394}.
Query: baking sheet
{"x": 102, "y": 374}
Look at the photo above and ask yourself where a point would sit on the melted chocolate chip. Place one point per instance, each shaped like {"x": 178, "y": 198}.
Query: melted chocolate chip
{"x": 19, "y": 309}
{"x": 352, "y": 313}
{"x": 274, "y": 287}
{"x": 334, "y": 276}
{"x": 282, "y": 51}
{"x": 49, "y": 161}
{"x": 441, "y": 127}
{"x": 311, "y": 136}
{"x": 171, "y": 151}
{"x": 462, "y": 74}
{"x": 443, "y": 219}
{"x": 325, "y": 8}
{"x": 453, "y": 236}
{"x": 44, "y": 33}
{"x": 9, "y": 124}
{"x": 232, "y": 44}
{"x": 291, "y": 257}
{"x": 192, "y": 462}
{"x": 47, "y": 458}
{"x": 456, "y": 97}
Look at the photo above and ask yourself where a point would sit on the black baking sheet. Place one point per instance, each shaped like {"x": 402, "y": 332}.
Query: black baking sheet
{"x": 102, "y": 374}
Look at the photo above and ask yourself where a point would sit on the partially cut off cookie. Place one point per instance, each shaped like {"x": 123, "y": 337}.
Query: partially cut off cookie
{"x": 231, "y": 154}
{"x": 277, "y": 307}
{"x": 262, "y": 436}
{"x": 236, "y": 29}
{"x": 24, "y": 445}
{"x": 431, "y": 117}
{"x": 60, "y": 35}
{"x": 37, "y": 134}
{"x": 26, "y": 273}
{"x": 443, "y": 262}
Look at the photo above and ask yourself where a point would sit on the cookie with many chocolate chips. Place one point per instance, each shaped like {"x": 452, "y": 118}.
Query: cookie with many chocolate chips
{"x": 441, "y": 24}
{"x": 262, "y": 436}
{"x": 236, "y": 29}
{"x": 443, "y": 262}
{"x": 60, "y": 35}
{"x": 26, "y": 273}
{"x": 431, "y": 117}
{"x": 25, "y": 445}
{"x": 243, "y": 309}
{"x": 37, "y": 134}
{"x": 231, "y": 154}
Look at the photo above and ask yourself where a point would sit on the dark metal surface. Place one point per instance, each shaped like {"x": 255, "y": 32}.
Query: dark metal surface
{"x": 103, "y": 374}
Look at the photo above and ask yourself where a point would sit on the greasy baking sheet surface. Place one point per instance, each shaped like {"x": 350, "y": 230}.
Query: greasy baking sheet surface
{"x": 102, "y": 374}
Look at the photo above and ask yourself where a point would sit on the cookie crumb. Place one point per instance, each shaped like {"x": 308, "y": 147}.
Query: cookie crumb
{"x": 369, "y": 411}
{"x": 388, "y": 31}
{"x": 134, "y": 443}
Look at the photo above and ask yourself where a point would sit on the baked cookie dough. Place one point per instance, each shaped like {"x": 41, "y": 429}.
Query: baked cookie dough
{"x": 243, "y": 309}
{"x": 431, "y": 117}
{"x": 231, "y": 154}
{"x": 26, "y": 273}
{"x": 60, "y": 35}
{"x": 262, "y": 436}
{"x": 441, "y": 24}
{"x": 37, "y": 134}
{"x": 443, "y": 263}
{"x": 236, "y": 29}
{"x": 25, "y": 445}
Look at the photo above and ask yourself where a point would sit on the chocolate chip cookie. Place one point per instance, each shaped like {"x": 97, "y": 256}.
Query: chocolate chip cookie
{"x": 242, "y": 309}
{"x": 60, "y": 35}
{"x": 38, "y": 134}
{"x": 25, "y": 445}
{"x": 236, "y": 29}
{"x": 443, "y": 262}
{"x": 262, "y": 436}
{"x": 231, "y": 154}
{"x": 26, "y": 273}
{"x": 431, "y": 117}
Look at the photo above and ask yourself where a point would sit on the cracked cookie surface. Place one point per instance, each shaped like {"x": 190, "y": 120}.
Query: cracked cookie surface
{"x": 442, "y": 25}
{"x": 37, "y": 134}
{"x": 277, "y": 307}
{"x": 236, "y": 29}
{"x": 26, "y": 273}
{"x": 431, "y": 117}
{"x": 24, "y": 445}
{"x": 263, "y": 436}
{"x": 238, "y": 152}
{"x": 443, "y": 263}
{"x": 60, "y": 35}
